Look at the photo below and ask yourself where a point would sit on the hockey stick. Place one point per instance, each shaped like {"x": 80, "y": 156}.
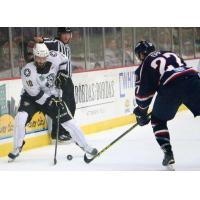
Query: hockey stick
{"x": 57, "y": 131}
{"x": 88, "y": 160}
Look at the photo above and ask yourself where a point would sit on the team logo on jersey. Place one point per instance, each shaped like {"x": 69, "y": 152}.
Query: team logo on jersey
{"x": 27, "y": 72}
{"x": 42, "y": 78}
{"x": 53, "y": 53}
{"x": 50, "y": 80}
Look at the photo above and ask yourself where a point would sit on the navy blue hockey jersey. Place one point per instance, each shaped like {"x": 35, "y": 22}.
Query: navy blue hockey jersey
{"x": 158, "y": 68}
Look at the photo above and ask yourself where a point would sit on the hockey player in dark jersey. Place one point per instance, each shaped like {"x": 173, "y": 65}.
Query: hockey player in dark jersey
{"x": 61, "y": 44}
{"x": 164, "y": 73}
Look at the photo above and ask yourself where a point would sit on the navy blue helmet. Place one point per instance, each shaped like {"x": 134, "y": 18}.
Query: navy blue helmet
{"x": 144, "y": 48}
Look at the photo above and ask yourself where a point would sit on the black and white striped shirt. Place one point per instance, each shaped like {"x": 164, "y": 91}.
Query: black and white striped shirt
{"x": 57, "y": 45}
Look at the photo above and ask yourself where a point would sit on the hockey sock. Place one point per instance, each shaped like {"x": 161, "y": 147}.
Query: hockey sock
{"x": 75, "y": 132}
{"x": 161, "y": 133}
{"x": 19, "y": 128}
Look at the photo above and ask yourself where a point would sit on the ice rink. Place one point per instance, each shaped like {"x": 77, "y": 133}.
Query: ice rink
{"x": 136, "y": 151}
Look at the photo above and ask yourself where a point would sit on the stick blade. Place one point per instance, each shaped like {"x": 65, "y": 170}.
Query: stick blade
{"x": 55, "y": 161}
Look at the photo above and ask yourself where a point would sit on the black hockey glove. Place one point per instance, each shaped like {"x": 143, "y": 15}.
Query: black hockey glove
{"x": 141, "y": 116}
{"x": 61, "y": 78}
{"x": 56, "y": 103}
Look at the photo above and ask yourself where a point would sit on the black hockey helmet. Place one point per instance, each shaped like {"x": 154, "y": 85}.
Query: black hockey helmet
{"x": 144, "y": 48}
{"x": 64, "y": 30}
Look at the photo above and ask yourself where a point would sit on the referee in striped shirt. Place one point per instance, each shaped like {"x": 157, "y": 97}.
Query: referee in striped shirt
{"x": 61, "y": 44}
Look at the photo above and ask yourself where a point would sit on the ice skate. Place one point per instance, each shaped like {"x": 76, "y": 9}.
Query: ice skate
{"x": 169, "y": 161}
{"x": 63, "y": 138}
{"x": 89, "y": 151}
{"x": 13, "y": 155}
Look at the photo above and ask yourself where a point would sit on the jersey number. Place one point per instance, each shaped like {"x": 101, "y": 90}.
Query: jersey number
{"x": 161, "y": 63}
{"x": 29, "y": 83}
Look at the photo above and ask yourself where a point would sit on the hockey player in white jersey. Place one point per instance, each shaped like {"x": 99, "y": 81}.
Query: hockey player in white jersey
{"x": 40, "y": 80}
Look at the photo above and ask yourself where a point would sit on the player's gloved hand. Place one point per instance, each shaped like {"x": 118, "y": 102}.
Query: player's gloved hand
{"x": 61, "y": 78}
{"x": 141, "y": 116}
{"x": 55, "y": 103}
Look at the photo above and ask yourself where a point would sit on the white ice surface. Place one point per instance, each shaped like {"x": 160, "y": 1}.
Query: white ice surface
{"x": 136, "y": 151}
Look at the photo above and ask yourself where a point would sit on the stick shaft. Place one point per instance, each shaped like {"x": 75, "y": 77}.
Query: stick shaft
{"x": 57, "y": 131}
{"x": 114, "y": 141}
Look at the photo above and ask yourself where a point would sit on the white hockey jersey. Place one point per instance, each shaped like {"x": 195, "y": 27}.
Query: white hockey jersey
{"x": 39, "y": 84}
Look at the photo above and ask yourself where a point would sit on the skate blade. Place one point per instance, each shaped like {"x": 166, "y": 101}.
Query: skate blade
{"x": 170, "y": 167}
{"x": 10, "y": 160}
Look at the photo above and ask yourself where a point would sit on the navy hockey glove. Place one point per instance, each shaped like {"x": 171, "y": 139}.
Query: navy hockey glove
{"x": 61, "y": 78}
{"x": 141, "y": 116}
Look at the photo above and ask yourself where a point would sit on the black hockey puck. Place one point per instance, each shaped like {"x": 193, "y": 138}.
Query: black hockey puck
{"x": 69, "y": 157}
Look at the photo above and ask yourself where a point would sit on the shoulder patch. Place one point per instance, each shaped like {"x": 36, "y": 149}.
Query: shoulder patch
{"x": 27, "y": 72}
{"x": 155, "y": 54}
{"x": 53, "y": 53}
